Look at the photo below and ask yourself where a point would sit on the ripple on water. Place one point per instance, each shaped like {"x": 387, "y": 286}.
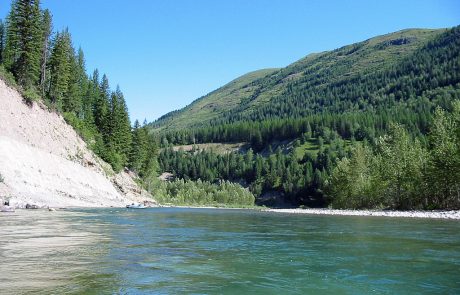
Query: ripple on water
{"x": 167, "y": 250}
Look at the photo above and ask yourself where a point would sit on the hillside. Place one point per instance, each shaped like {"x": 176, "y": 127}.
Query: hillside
{"x": 214, "y": 104}
{"x": 307, "y": 123}
{"x": 44, "y": 162}
{"x": 314, "y": 84}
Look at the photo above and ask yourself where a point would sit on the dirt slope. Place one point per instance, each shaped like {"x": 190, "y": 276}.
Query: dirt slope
{"x": 43, "y": 161}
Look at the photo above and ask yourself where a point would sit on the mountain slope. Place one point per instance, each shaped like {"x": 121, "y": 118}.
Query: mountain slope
{"x": 335, "y": 81}
{"x": 44, "y": 162}
{"x": 214, "y": 104}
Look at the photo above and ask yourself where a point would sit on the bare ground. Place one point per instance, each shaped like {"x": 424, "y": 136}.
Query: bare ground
{"x": 43, "y": 161}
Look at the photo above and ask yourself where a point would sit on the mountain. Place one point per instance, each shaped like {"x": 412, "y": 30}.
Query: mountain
{"x": 372, "y": 75}
{"x": 44, "y": 162}
{"x": 214, "y": 104}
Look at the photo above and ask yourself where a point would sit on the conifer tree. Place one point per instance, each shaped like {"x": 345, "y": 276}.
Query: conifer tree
{"x": 77, "y": 84}
{"x": 60, "y": 68}
{"x": 2, "y": 40}
{"x": 23, "y": 42}
{"x": 138, "y": 152}
{"x": 101, "y": 105}
{"x": 46, "y": 33}
{"x": 120, "y": 125}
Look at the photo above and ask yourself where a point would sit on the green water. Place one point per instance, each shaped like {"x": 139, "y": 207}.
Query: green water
{"x": 206, "y": 251}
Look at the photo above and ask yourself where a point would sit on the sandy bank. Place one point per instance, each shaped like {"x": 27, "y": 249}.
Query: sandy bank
{"x": 44, "y": 162}
{"x": 410, "y": 214}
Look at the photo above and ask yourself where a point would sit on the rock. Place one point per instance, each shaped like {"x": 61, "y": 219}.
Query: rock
{"x": 29, "y": 206}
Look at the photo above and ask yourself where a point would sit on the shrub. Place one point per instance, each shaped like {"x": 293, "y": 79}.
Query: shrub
{"x": 30, "y": 95}
{"x": 8, "y": 78}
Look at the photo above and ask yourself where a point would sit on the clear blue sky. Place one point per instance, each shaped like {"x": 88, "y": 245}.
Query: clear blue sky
{"x": 164, "y": 54}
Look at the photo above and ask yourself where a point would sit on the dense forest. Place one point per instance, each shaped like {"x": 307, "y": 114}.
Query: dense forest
{"x": 390, "y": 116}
{"x": 45, "y": 67}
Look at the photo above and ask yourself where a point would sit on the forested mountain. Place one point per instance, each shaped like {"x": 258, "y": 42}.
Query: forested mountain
{"x": 359, "y": 107}
{"x": 214, "y": 104}
{"x": 366, "y": 76}
{"x": 372, "y": 124}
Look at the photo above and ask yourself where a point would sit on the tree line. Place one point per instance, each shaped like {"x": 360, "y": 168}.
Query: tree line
{"x": 400, "y": 172}
{"x": 298, "y": 181}
{"x": 396, "y": 170}
{"x": 361, "y": 105}
{"x": 45, "y": 65}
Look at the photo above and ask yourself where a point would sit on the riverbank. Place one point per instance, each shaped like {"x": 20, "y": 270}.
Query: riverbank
{"x": 455, "y": 214}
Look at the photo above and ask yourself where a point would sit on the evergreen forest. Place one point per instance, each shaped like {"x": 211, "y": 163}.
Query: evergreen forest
{"x": 375, "y": 124}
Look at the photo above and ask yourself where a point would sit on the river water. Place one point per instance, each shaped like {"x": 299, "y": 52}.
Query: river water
{"x": 209, "y": 251}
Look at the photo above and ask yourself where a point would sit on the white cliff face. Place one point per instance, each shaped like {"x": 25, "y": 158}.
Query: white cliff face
{"x": 43, "y": 161}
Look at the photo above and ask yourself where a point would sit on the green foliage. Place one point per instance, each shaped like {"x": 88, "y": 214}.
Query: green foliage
{"x": 54, "y": 71}
{"x": 373, "y": 76}
{"x": 180, "y": 192}
{"x": 353, "y": 183}
{"x": 23, "y": 42}
{"x": 401, "y": 161}
{"x": 2, "y": 39}
{"x": 86, "y": 131}
{"x": 8, "y": 78}
{"x": 60, "y": 68}
{"x": 297, "y": 180}
{"x": 444, "y": 162}
{"x": 323, "y": 103}
{"x": 2, "y": 179}
{"x": 30, "y": 95}
{"x": 400, "y": 173}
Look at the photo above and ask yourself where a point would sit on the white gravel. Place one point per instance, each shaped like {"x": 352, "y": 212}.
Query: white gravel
{"x": 412, "y": 214}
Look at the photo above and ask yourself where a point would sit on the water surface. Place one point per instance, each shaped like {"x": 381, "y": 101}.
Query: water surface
{"x": 208, "y": 251}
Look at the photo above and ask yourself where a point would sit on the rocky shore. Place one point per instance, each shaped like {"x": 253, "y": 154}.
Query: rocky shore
{"x": 455, "y": 214}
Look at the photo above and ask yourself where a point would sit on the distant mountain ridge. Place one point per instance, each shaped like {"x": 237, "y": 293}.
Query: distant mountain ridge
{"x": 318, "y": 82}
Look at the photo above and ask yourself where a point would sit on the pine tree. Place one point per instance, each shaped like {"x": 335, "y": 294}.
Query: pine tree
{"x": 2, "y": 40}
{"x": 60, "y": 68}
{"x": 101, "y": 105}
{"x": 24, "y": 42}
{"x": 119, "y": 138}
{"x": 73, "y": 101}
{"x": 138, "y": 154}
{"x": 46, "y": 33}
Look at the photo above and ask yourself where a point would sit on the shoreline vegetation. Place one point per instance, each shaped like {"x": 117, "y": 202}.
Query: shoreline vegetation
{"x": 334, "y": 130}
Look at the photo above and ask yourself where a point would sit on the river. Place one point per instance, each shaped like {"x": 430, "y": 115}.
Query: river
{"x": 213, "y": 251}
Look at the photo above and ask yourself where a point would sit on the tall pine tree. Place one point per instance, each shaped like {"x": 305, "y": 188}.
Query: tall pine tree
{"x": 46, "y": 34}
{"x": 2, "y": 40}
{"x": 24, "y": 42}
{"x": 60, "y": 67}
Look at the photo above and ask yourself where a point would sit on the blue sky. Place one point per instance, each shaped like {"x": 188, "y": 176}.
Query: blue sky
{"x": 165, "y": 54}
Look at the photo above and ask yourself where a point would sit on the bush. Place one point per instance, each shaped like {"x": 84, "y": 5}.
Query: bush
{"x": 8, "y": 78}
{"x": 1, "y": 178}
{"x": 181, "y": 192}
{"x": 30, "y": 95}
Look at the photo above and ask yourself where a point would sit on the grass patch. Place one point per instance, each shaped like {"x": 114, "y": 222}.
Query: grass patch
{"x": 311, "y": 147}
